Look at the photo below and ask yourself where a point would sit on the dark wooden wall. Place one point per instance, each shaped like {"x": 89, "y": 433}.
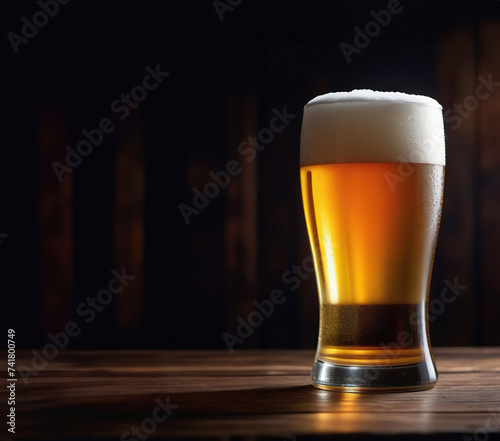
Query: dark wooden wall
{"x": 120, "y": 207}
{"x": 470, "y": 233}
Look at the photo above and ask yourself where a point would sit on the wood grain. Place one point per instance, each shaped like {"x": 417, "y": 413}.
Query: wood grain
{"x": 248, "y": 393}
{"x": 240, "y": 224}
{"x": 128, "y": 223}
{"x": 457, "y": 242}
{"x": 56, "y": 221}
{"x": 489, "y": 186}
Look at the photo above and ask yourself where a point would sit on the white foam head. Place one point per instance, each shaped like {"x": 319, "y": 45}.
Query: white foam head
{"x": 370, "y": 126}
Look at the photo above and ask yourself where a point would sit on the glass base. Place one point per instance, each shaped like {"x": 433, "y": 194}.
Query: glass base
{"x": 413, "y": 377}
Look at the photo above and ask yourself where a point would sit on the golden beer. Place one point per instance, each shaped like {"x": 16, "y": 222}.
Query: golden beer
{"x": 373, "y": 228}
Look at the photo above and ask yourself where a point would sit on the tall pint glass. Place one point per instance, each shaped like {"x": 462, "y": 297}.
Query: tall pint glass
{"x": 372, "y": 176}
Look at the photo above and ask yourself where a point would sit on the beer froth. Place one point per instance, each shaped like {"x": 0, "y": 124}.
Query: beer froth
{"x": 365, "y": 126}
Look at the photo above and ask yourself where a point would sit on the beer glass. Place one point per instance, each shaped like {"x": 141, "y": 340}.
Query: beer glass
{"x": 372, "y": 176}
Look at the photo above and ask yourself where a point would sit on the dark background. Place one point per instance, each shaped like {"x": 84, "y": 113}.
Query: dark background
{"x": 119, "y": 207}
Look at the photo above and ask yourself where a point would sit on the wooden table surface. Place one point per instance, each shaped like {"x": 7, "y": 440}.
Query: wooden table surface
{"x": 103, "y": 394}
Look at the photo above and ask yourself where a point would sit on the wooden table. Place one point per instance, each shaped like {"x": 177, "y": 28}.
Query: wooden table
{"x": 103, "y": 394}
